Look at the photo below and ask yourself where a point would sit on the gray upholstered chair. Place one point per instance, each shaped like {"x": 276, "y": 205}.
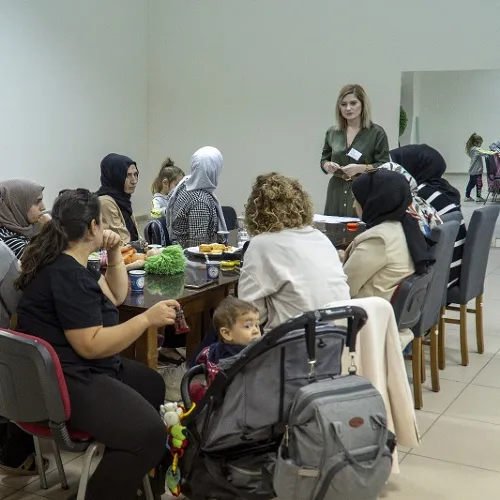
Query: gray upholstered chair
{"x": 471, "y": 285}
{"x": 9, "y": 296}
{"x": 457, "y": 215}
{"x": 408, "y": 303}
{"x": 444, "y": 235}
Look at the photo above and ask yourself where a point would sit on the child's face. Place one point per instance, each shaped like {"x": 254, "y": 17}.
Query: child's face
{"x": 243, "y": 331}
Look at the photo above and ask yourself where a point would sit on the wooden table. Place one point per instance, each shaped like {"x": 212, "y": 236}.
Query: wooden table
{"x": 338, "y": 234}
{"x": 195, "y": 303}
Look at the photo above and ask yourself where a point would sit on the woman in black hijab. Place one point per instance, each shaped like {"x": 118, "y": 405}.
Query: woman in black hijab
{"x": 427, "y": 166}
{"x": 119, "y": 177}
{"x": 393, "y": 247}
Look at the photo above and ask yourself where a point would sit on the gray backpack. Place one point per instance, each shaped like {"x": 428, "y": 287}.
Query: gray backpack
{"x": 336, "y": 444}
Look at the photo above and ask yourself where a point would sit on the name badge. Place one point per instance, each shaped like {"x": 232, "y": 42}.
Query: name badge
{"x": 354, "y": 154}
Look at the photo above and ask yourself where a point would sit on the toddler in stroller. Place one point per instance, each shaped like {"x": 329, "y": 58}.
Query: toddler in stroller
{"x": 233, "y": 433}
{"x": 237, "y": 324}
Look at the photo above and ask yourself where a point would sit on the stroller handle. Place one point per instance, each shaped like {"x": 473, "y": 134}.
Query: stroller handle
{"x": 186, "y": 382}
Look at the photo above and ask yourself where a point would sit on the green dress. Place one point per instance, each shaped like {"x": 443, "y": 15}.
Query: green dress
{"x": 373, "y": 145}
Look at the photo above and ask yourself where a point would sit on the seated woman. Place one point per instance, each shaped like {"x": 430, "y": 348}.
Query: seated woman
{"x": 290, "y": 267}
{"x": 427, "y": 167}
{"x": 114, "y": 400}
{"x": 169, "y": 176}
{"x": 393, "y": 247}
{"x": 21, "y": 209}
{"x": 194, "y": 214}
{"x": 119, "y": 177}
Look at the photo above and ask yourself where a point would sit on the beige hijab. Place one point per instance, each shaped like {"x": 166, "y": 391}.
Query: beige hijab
{"x": 17, "y": 196}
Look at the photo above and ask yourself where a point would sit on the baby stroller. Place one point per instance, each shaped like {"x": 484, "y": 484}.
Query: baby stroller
{"x": 233, "y": 434}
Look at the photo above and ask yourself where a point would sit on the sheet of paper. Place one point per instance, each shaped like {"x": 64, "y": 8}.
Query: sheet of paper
{"x": 333, "y": 219}
{"x": 354, "y": 154}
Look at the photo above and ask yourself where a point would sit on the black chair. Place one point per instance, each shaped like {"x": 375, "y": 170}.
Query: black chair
{"x": 33, "y": 394}
{"x": 471, "y": 285}
{"x": 230, "y": 217}
{"x": 156, "y": 232}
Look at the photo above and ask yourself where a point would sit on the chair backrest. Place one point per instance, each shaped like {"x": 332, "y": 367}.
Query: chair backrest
{"x": 9, "y": 296}
{"x": 456, "y": 215}
{"x": 32, "y": 384}
{"x": 156, "y": 233}
{"x": 445, "y": 235}
{"x": 408, "y": 301}
{"x": 230, "y": 217}
{"x": 476, "y": 252}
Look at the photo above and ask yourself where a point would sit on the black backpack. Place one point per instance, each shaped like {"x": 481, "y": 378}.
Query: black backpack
{"x": 155, "y": 232}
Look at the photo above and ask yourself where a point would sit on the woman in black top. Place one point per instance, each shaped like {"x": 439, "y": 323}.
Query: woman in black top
{"x": 114, "y": 400}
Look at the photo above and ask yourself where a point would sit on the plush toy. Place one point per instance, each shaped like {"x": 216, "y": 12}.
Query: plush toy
{"x": 172, "y": 414}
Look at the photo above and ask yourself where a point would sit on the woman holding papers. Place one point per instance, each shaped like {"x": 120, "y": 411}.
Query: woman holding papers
{"x": 352, "y": 146}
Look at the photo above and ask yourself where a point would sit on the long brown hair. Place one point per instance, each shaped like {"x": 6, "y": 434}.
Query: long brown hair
{"x": 72, "y": 215}
{"x": 168, "y": 170}
{"x": 360, "y": 93}
{"x": 474, "y": 140}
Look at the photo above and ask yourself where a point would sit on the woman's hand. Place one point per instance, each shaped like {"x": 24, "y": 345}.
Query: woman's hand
{"x": 44, "y": 219}
{"x": 110, "y": 240}
{"x": 341, "y": 255}
{"x": 163, "y": 313}
{"x": 353, "y": 169}
{"x": 331, "y": 167}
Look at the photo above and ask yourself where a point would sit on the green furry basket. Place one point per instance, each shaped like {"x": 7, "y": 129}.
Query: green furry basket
{"x": 169, "y": 262}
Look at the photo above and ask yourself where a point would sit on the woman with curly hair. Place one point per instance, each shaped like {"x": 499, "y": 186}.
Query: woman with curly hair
{"x": 290, "y": 267}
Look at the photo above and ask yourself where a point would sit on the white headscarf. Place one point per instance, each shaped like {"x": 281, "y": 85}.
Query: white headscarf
{"x": 206, "y": 165}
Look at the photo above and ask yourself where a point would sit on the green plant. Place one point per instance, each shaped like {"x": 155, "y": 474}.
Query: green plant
{"x": 170, "y": 261}
{"x": 403, "y": 121}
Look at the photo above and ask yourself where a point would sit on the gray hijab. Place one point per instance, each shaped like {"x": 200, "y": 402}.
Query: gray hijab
{"x": 17, "y": 196}
{"x": 206, "y": 166}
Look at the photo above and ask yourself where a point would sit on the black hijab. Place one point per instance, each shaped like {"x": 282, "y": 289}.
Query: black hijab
{"x": 426, "y": 165}
{"x": 114, "y": 168}
{"x": 385, "y": 196}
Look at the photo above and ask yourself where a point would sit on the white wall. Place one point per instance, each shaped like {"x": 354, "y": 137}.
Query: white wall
{"x": 259, "y": 79}
{"x": 73, "y": 87}
{"x": 455, "y": 104}
{"x": 407, "y": 102}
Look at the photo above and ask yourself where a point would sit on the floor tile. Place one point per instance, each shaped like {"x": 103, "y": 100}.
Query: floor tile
{"x": 437, "y": 402}
{"x": 423, "y": 478}
{"x": 489, "y": 376}
{"x": 5, "y": 492}
{"x": 491, "y": 318}
{"x": 462, "y": 441}
{"x": 477, "y": 403}
{"x": 491, "y": 340}
{"x": 22, "y": 495}
{"x": 456, "y": 371}
{"x": 425, "y": 420}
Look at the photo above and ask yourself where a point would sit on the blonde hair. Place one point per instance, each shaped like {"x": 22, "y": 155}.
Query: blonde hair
{"x": 474, "y": 140}
{"x": 168, "y": 170}
{"x": 366, "y": 113}
{"x": 277, "y": 202}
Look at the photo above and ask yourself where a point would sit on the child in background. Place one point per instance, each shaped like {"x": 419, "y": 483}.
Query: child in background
{"x": 169, "y": 176}
{"x": 237, "y": 323}
{"x": 472, "y": 148}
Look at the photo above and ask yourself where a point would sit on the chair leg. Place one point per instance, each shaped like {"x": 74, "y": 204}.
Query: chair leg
{"x": 417, "y": 372}
{"x": 479, "y": 324}
{"x": 423, "y": 374}
{"x": 463, "y": 335}
{"x": 60, "y": 466}
{"x": 434, "y": 359}
{"x": 441, "y": 340}
{"x": 87, "y": 463}
{"x": 148, "y": 492}
{"x": 40, "y": 464}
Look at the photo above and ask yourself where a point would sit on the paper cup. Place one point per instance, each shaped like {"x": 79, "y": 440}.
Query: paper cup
{"x": 137, "y": 280}
{"x": 94, "y": 263}
{"x": 223, "y": 237}
{"x": 213, "y": 270}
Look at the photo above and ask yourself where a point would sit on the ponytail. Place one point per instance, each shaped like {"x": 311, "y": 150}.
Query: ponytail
{"x": 474, "y": 140}
{"x": 72, "y": 216}
{"x": 42, "y": 250}
{"x": 168, "y": 170}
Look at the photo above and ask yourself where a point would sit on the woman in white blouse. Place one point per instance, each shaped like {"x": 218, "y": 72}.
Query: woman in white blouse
{"x": 290, "y": 267}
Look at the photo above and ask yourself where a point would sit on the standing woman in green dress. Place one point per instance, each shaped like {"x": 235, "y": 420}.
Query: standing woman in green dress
{"x": 352, "y": 147}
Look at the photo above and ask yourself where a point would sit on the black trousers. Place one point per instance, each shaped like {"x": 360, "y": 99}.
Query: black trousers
{"x": 124, "y": 416}
{"x": 16, "y": 445}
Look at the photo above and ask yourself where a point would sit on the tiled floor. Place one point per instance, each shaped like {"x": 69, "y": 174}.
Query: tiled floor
{"x": 459, "y": 458}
